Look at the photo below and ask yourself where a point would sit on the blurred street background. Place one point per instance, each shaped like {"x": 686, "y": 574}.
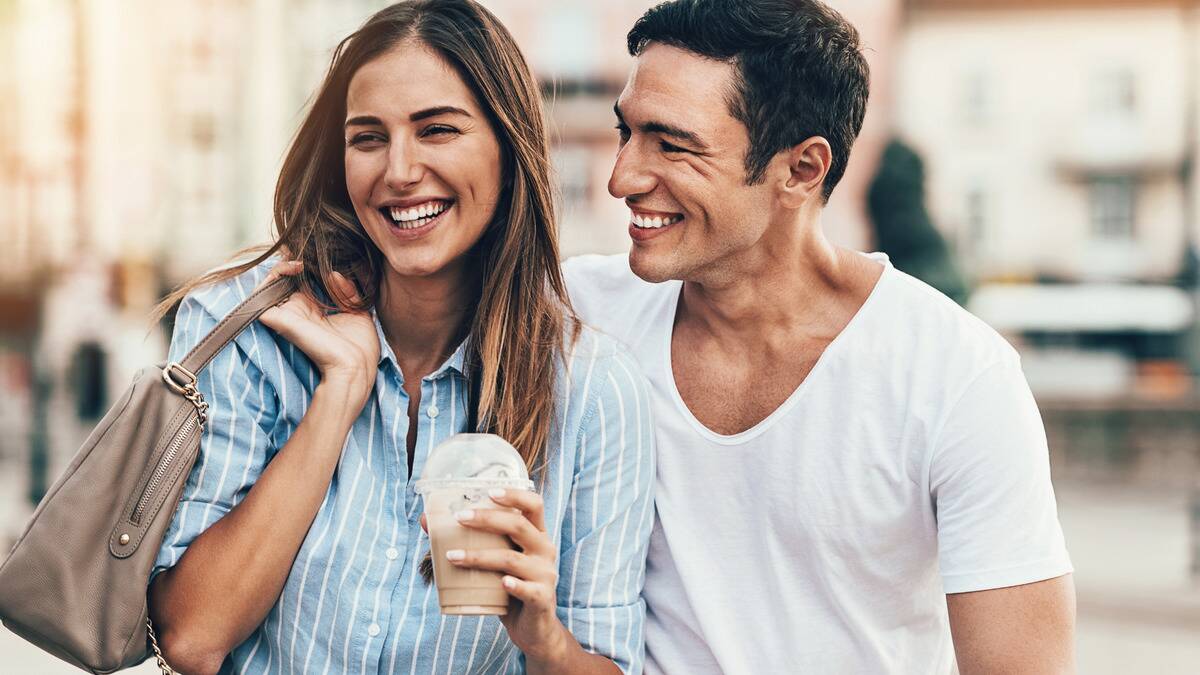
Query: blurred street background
{"x": 1033, "y": 159}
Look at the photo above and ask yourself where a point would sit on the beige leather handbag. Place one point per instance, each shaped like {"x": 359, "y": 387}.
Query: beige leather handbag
{"x": 75, "y": 583}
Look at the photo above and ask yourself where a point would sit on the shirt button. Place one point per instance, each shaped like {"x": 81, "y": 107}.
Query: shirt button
{"x": 392, "y": 553}
{"x": 432, "y": 411}
{"x": 373, "y": 630}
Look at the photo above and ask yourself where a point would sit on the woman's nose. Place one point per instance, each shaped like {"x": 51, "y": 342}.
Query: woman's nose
{"x": 404, "y": 167}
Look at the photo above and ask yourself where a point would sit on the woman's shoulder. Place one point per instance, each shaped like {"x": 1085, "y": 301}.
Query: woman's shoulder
{"x": 597, "y": 362}
{"x": 220, "y": 297}
{"x": 204, "y": 307}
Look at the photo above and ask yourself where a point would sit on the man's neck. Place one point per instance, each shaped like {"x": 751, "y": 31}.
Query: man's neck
{"x": 424, "y": 318}
{"x": 799, "y": 285}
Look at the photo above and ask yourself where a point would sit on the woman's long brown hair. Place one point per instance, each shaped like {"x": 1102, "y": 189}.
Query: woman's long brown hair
{"x": 523, "y": 320}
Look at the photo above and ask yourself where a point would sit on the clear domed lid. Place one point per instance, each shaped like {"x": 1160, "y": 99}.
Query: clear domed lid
{"x": 474, "y": 460}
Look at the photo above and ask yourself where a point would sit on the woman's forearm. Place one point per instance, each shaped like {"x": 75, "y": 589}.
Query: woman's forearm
{"x": 569, "y": 658}
{"x": 231, "y": 575}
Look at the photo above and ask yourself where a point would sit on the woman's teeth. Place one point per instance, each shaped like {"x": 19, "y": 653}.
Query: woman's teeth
{"x": 416, "y": 216}
{"x": 647, "y": 222}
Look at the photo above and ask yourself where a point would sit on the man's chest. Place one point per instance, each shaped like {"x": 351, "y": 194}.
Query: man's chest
{"x": 802, "y": 484}
{"x": 730, "y": 391}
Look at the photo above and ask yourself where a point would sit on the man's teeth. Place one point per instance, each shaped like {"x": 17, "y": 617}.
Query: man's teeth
{"x": 656, "y": 221}
{"x": 417, "y": 216}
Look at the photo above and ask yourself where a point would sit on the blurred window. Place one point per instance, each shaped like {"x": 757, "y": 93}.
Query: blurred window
{"x": 573, "y": 163}
{"x": 1113, "y": 92}
{"x": 89, "y": 370}
{"x": 976, "y": 218}
{"x": 1112, "y": 206}
{"x": 203, "y": 131}
{"x": 566, "y": 41}
{"x": 977, "y": 98}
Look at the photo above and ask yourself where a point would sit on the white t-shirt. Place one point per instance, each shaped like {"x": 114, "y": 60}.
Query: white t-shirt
{"x": 910, "y": 463}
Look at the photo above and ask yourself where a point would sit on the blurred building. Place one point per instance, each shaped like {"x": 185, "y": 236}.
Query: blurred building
{"x": 1060, "y": 138}
{"x": 140, "y": 142}
{"x": 577, "y": 49}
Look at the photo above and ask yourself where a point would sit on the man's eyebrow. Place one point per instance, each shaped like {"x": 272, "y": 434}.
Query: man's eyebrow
{"x": 674, "y": 132}
{"x": 666, "y": 129}
{"x": 371, "y": 120}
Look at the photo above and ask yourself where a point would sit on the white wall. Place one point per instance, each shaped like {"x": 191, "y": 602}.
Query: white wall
{"x": 1042, "y": 131}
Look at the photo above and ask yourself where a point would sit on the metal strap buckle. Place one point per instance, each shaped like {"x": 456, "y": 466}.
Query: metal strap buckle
{"x": 179, "y": 388}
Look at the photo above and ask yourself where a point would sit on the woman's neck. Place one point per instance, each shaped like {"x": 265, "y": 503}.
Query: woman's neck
{"x": 425, "y": 318}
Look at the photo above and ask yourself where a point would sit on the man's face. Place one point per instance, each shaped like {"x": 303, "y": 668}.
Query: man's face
{"x": 681, "y": 168}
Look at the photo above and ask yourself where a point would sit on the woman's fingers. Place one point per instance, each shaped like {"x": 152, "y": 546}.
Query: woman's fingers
{"x": 513, "y": 525}
{"x": 530, "y": 504}
{"x": 345, "y": 289}
{"x": 285, "y": 268}
{"x": 531, "y": 593}
{"x": 507, "y": 561}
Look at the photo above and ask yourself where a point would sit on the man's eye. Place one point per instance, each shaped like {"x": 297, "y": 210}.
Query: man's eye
{"x": 669, "y": 147}
{"x": 623, "y": 132}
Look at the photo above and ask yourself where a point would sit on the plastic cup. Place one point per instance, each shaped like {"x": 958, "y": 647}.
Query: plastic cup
{"x": 457, "y": 476}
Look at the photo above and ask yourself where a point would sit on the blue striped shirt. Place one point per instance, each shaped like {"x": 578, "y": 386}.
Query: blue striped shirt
{"x": 354, "y": 601}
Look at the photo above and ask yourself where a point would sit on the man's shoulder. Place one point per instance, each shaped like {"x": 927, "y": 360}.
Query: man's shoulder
{"x": 606, "y": 294}
{"x": 593, "y": 273}
{"x": 929, "y": 323}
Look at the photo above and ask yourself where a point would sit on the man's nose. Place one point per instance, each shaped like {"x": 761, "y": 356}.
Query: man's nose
{"x": 629, "y": 177}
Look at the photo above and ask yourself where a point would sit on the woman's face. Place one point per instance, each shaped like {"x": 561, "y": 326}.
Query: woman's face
{"x": 422, "y": 161}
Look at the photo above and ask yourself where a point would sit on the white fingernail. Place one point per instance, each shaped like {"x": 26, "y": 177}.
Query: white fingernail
{"x": 510, "y": 582}
{"x": 456, "y": 554}
{"x": 496, "y": 493}
{"x": 466, "y": 514}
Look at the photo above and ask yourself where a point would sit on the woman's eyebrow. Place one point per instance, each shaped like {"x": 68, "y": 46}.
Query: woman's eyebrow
{"x": 364, "y": 121}
{"x": 371, "y": 120}
{"x": 437, "y": 110}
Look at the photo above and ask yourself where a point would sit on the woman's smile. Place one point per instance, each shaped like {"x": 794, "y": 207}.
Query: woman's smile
{"x": 414, "y": 219}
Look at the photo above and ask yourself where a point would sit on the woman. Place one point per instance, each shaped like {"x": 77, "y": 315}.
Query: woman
{"x": 415, "y": 199}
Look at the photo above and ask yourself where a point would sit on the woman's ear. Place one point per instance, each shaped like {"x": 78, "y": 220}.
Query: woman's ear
{"x": 808, "y": 163}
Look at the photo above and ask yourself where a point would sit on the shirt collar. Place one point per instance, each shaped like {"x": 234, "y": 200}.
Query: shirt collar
{"x": 456, "y": 361}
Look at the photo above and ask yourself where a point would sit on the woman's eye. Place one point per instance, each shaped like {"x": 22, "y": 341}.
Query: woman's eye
{"x": 439, "y": 130}
{"x": 364, "y": 138}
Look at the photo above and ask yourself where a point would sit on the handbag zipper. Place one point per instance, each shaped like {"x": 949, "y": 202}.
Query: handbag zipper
{"x": 188, "y": 390}
{"x": 161, "y": 470}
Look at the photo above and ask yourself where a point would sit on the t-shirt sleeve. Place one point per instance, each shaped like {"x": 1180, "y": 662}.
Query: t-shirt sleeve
{"x": 990, "y": 482}
{"x": 606, "y": 526}
{"x": 236, "y": 442}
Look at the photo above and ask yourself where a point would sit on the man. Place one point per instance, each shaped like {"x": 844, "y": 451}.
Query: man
{"x": 852, "y": 473}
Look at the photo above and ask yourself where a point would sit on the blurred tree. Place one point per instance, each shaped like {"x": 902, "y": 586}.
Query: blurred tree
{"x": 903, "y": 228}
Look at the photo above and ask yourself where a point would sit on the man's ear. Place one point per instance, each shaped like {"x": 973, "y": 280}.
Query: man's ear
{"x": 807, "y": 165}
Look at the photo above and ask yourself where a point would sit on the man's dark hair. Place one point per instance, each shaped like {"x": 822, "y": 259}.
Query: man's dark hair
{"x": 801, "y": 71}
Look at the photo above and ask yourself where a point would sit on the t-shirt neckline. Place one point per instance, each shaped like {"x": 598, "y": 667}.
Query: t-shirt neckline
{"x": 790, "y": 402}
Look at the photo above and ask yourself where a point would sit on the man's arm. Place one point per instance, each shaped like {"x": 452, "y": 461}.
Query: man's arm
{"x": 1028, "y": 629}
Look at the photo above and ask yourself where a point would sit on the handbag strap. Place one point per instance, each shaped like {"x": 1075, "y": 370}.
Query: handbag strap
{"x": 236, "y": 321}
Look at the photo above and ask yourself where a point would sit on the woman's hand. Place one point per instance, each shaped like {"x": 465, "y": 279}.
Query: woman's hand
{"x": 343, "y": 346}
{"x": 531, "y": 574}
